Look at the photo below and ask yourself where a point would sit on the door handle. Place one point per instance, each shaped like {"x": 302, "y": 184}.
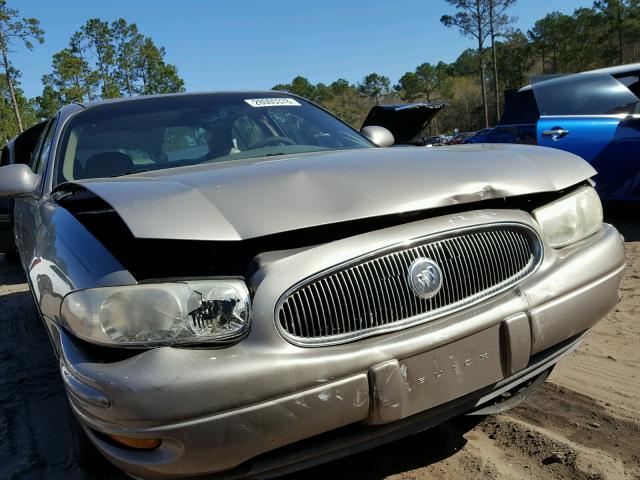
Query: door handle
{"x": 555, "y": 133}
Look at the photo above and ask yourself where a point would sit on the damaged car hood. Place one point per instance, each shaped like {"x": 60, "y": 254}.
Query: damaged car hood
{"x": 240, "y": 200}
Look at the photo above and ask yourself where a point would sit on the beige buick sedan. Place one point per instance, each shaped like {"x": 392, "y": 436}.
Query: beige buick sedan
{"x": 241, "y": 285}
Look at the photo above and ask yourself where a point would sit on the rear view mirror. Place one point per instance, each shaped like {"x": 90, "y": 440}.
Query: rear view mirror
{"x": 380, "y": 136}
{"x": 17, "y": 181}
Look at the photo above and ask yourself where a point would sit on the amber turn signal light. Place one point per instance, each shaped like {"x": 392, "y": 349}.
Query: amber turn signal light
{"x": 137, "y": 443}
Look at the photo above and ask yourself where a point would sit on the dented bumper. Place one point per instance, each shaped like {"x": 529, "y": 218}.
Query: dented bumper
{"x": 217, "y": 409}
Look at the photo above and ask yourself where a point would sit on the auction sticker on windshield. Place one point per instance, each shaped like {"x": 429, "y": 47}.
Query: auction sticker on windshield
{"x": 272, "y": 102}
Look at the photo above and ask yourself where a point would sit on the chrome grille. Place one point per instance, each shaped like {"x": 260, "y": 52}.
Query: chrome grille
{"x": 373, "y": 294}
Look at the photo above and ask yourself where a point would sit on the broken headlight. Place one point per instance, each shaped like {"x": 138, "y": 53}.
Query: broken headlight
{"x": 571, "y": 218}
{"x": 147, "y": 315}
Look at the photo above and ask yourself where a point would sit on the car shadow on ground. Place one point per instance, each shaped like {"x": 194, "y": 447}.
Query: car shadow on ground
{"x": 410, "y": 453}
{"x": 35, "y": 428}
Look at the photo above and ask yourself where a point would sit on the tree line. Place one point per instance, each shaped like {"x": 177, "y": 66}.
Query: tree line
{"x": 473, "y": 86}
{"x": 114, "y": 59}
{"x": 107, "y": 60}
{"x": 102, "y": 60}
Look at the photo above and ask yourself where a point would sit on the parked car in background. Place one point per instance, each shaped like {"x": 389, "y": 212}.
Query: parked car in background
{"x": 479, "y": 136}
{"x": 18, "y": 150}
{"x": 595, "y": 115}
{"x": 459, "y": 137}
{"x": 503, "y": 134}
{"x": 240, "y": 284}
{"x": 436, "y": 140}
{"x": 407, "y": 122}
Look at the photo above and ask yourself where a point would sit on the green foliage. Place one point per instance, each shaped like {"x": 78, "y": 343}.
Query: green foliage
{"x": 473, "y": 20}
{"x": 374, "y": 86}
{"x": 619, "y": 29}
{"x": 558, "y": 43}
{"x": 72, "y": 79}
{"x": 428, "y": 82}
{"x": 48, "y": 103}
{"x": 550, "y": 37}
{"x": 27, "y": 108}
{"x": 108, "y": 61}
{"x": 127, "y": 42}
{"x": 465, "y": 65}
{"x": 604, "y": 35}
{"x": 341, "y": 98}
{"x": 154, "y": 75}
{"x": 299, "y": 86}
{"x": 96, "y": 39}
{"x": 410, "y": 86}
{"x": 465, "y": 107}
{"x": 515, "y": 59}
{"x": 348, "y": 104}
{"x": 25, "y": 31}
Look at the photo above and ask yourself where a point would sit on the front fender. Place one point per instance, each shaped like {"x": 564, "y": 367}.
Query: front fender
{"x": 68, "y": 257}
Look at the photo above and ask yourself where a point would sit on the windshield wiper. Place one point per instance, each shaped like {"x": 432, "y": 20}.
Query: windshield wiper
{"x": 130, "y": 172}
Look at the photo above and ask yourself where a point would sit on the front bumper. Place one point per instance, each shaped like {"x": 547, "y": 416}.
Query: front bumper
{"x": 217, "y": 409}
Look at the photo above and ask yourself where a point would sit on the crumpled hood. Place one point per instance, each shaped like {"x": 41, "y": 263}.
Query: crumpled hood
{"x": 240, "y": 200}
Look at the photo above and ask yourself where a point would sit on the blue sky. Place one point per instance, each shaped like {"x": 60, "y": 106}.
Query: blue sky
{"x": 253, "y": 44}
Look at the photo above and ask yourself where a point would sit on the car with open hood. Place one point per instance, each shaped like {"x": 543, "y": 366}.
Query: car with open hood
{"x": 240, "y": 284}
{"x": 407, "y": 122}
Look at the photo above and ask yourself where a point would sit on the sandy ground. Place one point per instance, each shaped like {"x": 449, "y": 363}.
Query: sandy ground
{"x": 583, "y": 424}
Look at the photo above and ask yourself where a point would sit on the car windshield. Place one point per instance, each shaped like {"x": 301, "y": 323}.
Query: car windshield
{"x": 128, "y": 137}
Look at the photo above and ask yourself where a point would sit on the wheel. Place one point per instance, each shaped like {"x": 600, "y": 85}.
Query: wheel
{"x": 11, "y": 257}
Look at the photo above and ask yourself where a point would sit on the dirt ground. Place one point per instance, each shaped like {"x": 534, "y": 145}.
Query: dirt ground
{"x": 583, "y": 424}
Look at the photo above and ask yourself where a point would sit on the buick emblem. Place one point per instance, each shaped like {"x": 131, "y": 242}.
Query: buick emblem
{"x": 425, "y": 277}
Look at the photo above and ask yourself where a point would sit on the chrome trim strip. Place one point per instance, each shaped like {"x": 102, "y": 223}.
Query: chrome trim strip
{"x": 602, "y": 115}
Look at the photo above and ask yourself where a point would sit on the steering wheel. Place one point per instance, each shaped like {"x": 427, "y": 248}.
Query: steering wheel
{"x": 272, "y": 141}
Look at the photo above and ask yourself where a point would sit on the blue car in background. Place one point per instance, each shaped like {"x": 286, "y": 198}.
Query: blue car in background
{"x": 593, "y": 114}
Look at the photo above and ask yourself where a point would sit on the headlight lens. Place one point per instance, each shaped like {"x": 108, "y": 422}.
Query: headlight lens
{"x": 159, "y": 314}
{"x": 571, "y": 218}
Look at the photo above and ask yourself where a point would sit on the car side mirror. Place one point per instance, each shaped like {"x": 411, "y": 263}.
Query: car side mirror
{"x": 380, "y": 136}
{"x": 17, "y": 180}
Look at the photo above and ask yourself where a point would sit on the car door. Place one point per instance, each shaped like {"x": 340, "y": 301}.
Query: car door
{"x": 518, "y": 121}
{"x": 592, "y": 116}
{"x": 26, "y": 216}
{"x": 6, "y": 206}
